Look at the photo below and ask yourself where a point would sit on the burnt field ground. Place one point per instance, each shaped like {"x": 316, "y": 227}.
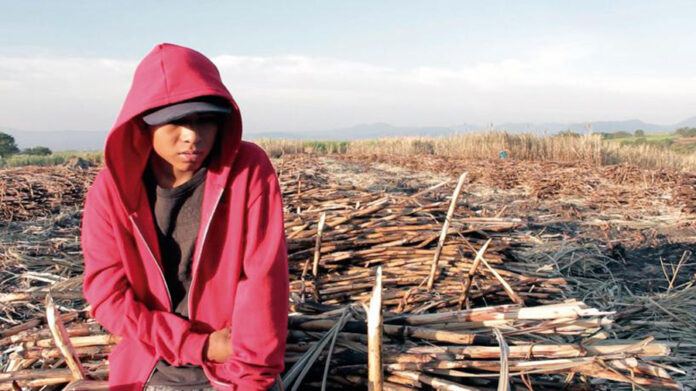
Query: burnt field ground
{"x": 588, "y": 273}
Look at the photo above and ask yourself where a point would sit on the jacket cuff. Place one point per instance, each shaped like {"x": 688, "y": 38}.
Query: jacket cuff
{"x": 192, "y": 348}
{"x": 241, "y": 385}
{"x": 249, "y": 386}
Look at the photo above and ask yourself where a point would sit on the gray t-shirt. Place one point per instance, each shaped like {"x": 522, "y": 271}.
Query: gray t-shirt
{"x": 177, "y": 214}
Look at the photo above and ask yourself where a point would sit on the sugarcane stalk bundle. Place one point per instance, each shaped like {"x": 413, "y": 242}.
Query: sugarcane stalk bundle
{"x": 451, "y": 308}
{"x": 29, "y": 192}
{"x": 459, "y": 346}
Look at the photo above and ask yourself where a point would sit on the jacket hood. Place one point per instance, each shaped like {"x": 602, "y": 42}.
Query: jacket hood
{"x": 168, "y": 74}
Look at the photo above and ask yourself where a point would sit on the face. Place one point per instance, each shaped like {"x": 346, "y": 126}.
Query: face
{"x": 181, "y": 147}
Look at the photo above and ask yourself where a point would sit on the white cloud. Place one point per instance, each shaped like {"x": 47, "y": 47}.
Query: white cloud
{"x": 293, "y": 92}
{"x": 62, "y": 93}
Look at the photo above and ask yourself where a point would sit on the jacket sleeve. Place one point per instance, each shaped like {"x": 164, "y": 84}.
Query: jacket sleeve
{"x": 111, "y": 296}
{"x": 260, "y": 315}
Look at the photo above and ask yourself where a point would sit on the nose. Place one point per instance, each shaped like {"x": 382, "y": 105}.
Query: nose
{"x": 189, "y": 134}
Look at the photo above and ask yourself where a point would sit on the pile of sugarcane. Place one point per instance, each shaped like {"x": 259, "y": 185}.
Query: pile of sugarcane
{"x": 37, "y": 256}
{"x": 686, "y": 194}
{"x": 469, "y": 349}
{"x": 83, "y": 347}
{"x": 30, "y": 192}
{"x": 428, "y": 252}
{"x": 604, "y": 186}
{"x": 449, "y": 309}
{"x": 456, "y": 350}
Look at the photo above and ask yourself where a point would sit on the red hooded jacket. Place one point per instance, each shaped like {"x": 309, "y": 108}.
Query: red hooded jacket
{"x": 239, "y": 267}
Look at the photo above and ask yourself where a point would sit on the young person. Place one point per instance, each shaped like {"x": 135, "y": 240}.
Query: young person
{"x": 183, "y": 237}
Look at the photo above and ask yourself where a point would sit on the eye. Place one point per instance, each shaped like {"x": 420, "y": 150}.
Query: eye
{"x": 208, "y": 122}
{"x": 181, "y": 122}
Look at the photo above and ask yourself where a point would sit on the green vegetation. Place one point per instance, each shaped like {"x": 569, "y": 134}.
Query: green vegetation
{"x": 568, "y": 133}
{"x": 680, "y": 141}
{"x": 616, "y": 135}
{"x": 38, "y": 151}
{"x": 324, "y": 147}
{"x": 422, "y": 147}
{"x": 676, "y": 150}
{"x": 56, "y": 158}
{"x": 8, "y": 146}
{"x": 277, "y": 148}
{"x": 686, "y": 132}
{"x": 10, "y": 155}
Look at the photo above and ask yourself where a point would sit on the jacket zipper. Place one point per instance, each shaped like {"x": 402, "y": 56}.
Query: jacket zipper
{"x": 159, "y": 268}
{"x": 152, "y": 372}
{"x": 194, "y": 272}
{"x": 152, "y": 255}
{"x": 193, "y": 276}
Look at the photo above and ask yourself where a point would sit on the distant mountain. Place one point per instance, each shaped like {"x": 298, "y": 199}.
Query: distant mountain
{"x": 582, "y": 127}
{"x": 381, "y": 129}
{"x": 273, "y": 135}
{"x": 615, "y": 126}
{"x": 385, "y": 130}
{"x": 530, "y": 127}
{"x": 687, "y": 123}
{"x": 363, "y": 131}
{"x": 467, "y": 128}
{"x": 76, "y": 140}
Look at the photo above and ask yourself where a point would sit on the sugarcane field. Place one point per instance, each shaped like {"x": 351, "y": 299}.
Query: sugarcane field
{"x": 408, "y": 272}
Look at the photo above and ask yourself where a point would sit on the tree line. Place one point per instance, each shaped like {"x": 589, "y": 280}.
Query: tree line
{"x": 8, "y": 147}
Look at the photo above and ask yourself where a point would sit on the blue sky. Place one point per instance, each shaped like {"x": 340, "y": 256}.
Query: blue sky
{"x": 310, "y": 65}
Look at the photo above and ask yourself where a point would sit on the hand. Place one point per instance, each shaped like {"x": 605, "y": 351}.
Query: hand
{"x": 218, "y": 347}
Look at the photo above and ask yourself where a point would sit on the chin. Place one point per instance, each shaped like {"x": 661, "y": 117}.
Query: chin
{"x": 188, "y": 167}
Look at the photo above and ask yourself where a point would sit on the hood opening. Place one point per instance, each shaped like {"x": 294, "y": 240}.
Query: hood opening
{"x": 168, "y": 74}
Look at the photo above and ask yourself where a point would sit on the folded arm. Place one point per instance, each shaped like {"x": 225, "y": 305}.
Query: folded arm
{"x": 260, "y": 315}
{"x": 113, "y": 300}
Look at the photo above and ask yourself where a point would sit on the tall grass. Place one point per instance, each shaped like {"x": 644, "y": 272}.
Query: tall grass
{"x": 486, "y": 145}
{"x": 53, "y": 159}
{"x": 277, "y": 148}
{"x": 586, "y": 148}
{"x": 648, "y": 156}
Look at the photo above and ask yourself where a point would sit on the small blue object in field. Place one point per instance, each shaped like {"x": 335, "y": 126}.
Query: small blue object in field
{"x": 502, "y": 155}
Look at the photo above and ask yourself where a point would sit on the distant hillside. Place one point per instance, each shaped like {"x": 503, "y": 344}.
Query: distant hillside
{"x": 85, "y": 141}
{"x": 364, "y": 131}
{"x": 687, "y": 123}
{"x": 380, "y": 129}
{"x": 615, "y": 126}
{"x": 581, "y": 127}
{"x": 374, "y": 130}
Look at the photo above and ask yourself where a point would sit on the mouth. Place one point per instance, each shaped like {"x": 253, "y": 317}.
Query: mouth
{"x": 191, "y": 156}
